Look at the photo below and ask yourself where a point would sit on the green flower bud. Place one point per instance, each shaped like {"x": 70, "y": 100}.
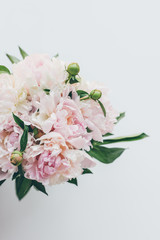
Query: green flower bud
{"x": 16, "y": 158}
{"x": 95, "y": 94}
{"x": 73, "y": 69}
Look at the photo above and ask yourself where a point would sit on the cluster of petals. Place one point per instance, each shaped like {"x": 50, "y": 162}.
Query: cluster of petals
{"x": 37, "y": 93}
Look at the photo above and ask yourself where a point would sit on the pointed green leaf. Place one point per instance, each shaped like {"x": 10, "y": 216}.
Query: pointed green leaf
{"x": 4, "y": 69}
{"x": 47, "y": 91}
{"x": 105, "y": 155}
{"x": 22, "y": 52}
{"x": 12, "y": 58}
{"x": 24, "y": 139}
{"x": 1, "y": 182}
{"x": 89, "y": 130}
{"x": 122, "y": 139}
{"x": 23, "y": 185}
{"x": 73, "y": 80}
{"x": 86, "y": 171}
{"x": 121, "y": 116}
{"x": 70, "y": 94}
{"x": 107, "y": 135}
{"x": 73, "y": 181}
{"x": 15, "y": 175}
{"x": 19, "y": 122}
{"x": 102, "y": 107}
{"x": 40, "y": 187}
{"x": 82, "y": 93}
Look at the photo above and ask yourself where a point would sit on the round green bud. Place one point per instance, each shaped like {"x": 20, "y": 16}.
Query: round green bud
{"x": 16, "y": 158}
{"x": 95, "y": 94}
{"x": 73, "y": 69}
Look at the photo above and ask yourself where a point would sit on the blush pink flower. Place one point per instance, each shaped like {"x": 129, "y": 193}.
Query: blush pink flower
{"x": 62, "y": 115}
{"x": 71, "y": 124}
{"x": 98, "y": 123}
{"x": 51, "y": 162}
{"x": 8, "y": 143}
{"x": 93, "y": 114}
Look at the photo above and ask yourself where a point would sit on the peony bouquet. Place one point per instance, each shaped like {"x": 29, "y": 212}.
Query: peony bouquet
{"x": 53, "y": 124}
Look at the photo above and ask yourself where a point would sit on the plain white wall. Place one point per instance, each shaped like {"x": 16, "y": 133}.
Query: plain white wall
{"x": 118, "y": 43}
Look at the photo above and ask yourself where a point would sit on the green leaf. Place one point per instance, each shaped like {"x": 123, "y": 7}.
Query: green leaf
{"x": 20, "y": 170}
{"x": 122, "y": 139}
{"x": 89, "y": 130}
{"x": 3, "y": 69}
{"x": 47, "y": 91}
{"x": 24, "y": 139}
{"x": 19, "y": 173}
{"x": 40, "y": 187}
{"x": 23, "y": 185}
{"x": 35, "y": 131}
{"x": 121, "y": 116}
{"x": 73, "y": 181}
{"x": 73, "y": 80}
{"x": 12, "y": 58}
{"x": 86, "y": 171}
{"x": 18, "y": 121}
{"x": 107, "y": 135}
{"x": 105, "y": 155}
{"x": 22, "y": 52}
{"x": 57, "y": 55}
{"x": 1, "y": 182}
{"x": 70, "y": 94}
{"x": 102, "y": 107}
{"x": 82, "y": 93}
{"x": 15, "y": 175}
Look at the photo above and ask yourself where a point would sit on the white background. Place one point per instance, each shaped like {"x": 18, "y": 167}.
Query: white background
{"x": 118, "y": 43}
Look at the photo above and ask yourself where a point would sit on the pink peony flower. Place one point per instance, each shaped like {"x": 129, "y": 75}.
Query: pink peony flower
{"x": 62, "y": 115}
{"x": 52, "y": 162}
{"x": 98, "y": 123}
{"x": 93, "y": 114}
{"x": 71, "y": 124}
{"x": 8, "y": 142}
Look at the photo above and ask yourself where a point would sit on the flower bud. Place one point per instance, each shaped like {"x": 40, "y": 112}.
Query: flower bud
{"x": 73, "y": 69}
{"x": 95, "y": 94}
{"x": 16, "y": 158}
